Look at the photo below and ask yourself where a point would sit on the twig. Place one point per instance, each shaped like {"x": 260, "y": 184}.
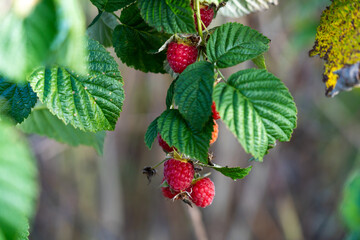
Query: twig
{"x": 198, "y": 18}
{"x": 197, "y": 223}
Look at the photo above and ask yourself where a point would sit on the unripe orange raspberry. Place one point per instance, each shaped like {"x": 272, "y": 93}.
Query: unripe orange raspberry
{"x": 215, "y": 133}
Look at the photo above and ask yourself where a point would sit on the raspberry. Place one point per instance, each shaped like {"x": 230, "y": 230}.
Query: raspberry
{"x": 178, "y": 174}
{"x": 206, "y": 14}
{"x": 215, "y": 114}
{"x": 215, "y": 133}
{"x": 181, "y": 55}
{"x": 168, "y": 192}
{"x": 202, "y": 192}
{"x": 164, "y": 145}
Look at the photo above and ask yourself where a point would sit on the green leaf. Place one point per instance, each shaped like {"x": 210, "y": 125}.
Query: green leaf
{"x": 193, "y": 93}
{"x": 135, "y": 42}
{"x": 18, "y": 182}
{"x": 171, "y": 16}
{"x": 42, "y": 122}
{"x": 170, "y": 94}
{"x": 24, "y": 233}
{"x": 68, "y": 48}
{"x": 91, "y": 102}
{"x": 242, "y": 43}
{"x": 16, "y": 100}
{"x": 259, "y": 61}
{"x": 234, "y": 173}
{"x": 258, "y": 108}
{"x": 26, "y": 39}
{"x": 350, "y": 205}
{"x": 240, "y": 117}
{"x": 176, "y": 132}
{"x": 102, "y": 30}
{"x": 151, "y": 133}
{"x": 50, "y": 32}
{"x": 111, "y": 5}
{"x": 270, "y": 98}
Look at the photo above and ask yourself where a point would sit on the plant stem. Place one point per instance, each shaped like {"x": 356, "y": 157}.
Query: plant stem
{"x": 198, "y": 18}
{"x": 197, "y": 223}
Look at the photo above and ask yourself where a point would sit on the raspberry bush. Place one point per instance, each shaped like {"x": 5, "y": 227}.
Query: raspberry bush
{"x": 252, "y": 103}
{"x": 65, "y": 85}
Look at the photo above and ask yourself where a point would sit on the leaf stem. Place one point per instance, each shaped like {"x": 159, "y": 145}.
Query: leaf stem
{"x": 203, "y": 24}
{"x": 198, "y": 18}
{"x": 205, "y": 165}
{"x": 95, "y": 19}
{"x": 118, "y": 18}
{"x": 220, "y": 73}
{"x": 40, "y": 107}
{"x": 158, "y": 164}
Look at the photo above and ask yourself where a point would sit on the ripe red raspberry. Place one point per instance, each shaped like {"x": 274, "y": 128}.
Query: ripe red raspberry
{"x": 164, "y": 145}
{"x": 202, "y": 192}
{"x": 178, "y": 174}
{"x": 168, "y": 192}
{"x": 181, "y": 55}
{"x": 215, "y": 133}
{"x": 206, "y": 14}
{"x": 215, "y": 114}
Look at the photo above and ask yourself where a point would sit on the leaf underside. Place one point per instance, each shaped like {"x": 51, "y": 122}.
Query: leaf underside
{"x": 42, "y": 122}
{"x": 102, "y": 30}
{"x": 239, "y": 8}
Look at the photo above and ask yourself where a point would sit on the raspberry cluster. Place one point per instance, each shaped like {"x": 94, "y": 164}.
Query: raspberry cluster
{"x": 181, "y": 180}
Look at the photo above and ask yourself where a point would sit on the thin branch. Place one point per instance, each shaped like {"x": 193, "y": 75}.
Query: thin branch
{"x": 197, "y": 223}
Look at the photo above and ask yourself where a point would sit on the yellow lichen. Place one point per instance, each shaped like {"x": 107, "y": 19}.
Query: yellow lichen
{"x": 338, "y": 38}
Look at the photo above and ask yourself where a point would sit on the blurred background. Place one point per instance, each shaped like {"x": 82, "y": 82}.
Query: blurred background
{"x": 294, "y": 194}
